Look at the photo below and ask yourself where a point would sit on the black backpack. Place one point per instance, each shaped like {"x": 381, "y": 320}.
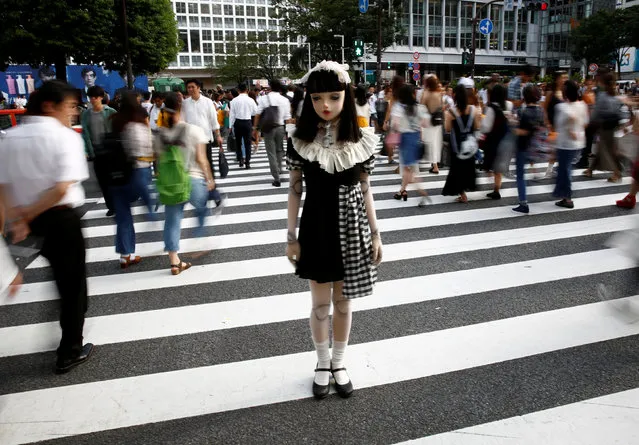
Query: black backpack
{"x": 115, "y": 160}
{"x": 269, "y": 117}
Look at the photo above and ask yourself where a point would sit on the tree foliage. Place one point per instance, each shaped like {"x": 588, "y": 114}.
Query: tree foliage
{"x": 320, "y": 20}
{"x": 88, "y": 31}
{"x": 606, "y": 36}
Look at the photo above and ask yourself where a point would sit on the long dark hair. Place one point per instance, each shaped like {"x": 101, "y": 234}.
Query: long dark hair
{"x": 406, "y": 97}
{"x": 130, "y": 111}
{"x": 497, "y": 95}
{"x": 396, "y": 84}
{"x": 360, "y": 95}
{"x": 326, "y": 82}
{"x": 172, "y": 105}
{"x": 298, "y": 97}
{"x": 461, "y": 98}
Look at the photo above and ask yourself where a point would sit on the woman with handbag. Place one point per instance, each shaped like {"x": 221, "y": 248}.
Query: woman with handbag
{"x": 433, "y": 135}
{"x": 407, "y": 119}
{"x": 392, "y": 138}
{"x": 461, "y": 122}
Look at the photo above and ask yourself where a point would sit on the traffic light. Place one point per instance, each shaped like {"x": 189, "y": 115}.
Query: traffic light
{"x": 358, "y": 48}
{"x": 388, "y": 67}
{"x": 465, "y": 57}
{"x": 537, "y": 5}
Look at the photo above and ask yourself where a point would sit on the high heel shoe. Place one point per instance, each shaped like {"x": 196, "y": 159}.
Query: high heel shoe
{"x": 404, "y": 195}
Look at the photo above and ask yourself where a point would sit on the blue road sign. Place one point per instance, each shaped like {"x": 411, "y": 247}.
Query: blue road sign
{"x": 416, "y": 77}
{"x": 410, "y": 65}
{"x": 363, "y": 6}
{"x": 486, "y": 26}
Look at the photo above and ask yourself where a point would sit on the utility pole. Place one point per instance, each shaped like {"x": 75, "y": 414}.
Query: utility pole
{"x": 129, "y": 65}
{"x": 474, "y": 34}
{"x": 342, "y": 36}
{"x": 378, "y": 70}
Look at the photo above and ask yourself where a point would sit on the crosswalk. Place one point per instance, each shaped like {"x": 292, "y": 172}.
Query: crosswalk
{"x": 485, "y": 328}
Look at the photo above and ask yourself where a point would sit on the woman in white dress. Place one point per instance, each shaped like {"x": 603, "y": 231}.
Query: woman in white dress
{"x": 433, "y": 136}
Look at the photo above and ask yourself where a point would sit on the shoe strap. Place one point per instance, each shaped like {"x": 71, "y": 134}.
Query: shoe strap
{"x": 338, "y": 369}
{"x": 322, "y": 370}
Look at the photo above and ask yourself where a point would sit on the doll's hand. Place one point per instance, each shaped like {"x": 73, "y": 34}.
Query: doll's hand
{"x": 293, "y": 252}
{"x": 14, "y": 287}
{"x": 377, "y": 250}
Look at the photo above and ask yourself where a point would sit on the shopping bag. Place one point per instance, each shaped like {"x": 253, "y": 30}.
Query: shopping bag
{"x": 230, "y": 143}
{"x": 224, "y": 165}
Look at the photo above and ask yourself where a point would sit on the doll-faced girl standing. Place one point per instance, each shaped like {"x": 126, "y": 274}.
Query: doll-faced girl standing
{"x": 338, "y": 246}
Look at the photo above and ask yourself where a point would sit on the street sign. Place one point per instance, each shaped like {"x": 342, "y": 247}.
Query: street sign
{"x": 416, "y": 55}
{"x": 593, "y": 67}
{"x": 509, "y": 5}
{"x": 486, "y": 26}
{"x": 416, "y": 77}
{"x": 416, "y": 66}
{"x": 415, "y": 71}
{"x": 363, "y": 6}
{"x": 410, "y": 65}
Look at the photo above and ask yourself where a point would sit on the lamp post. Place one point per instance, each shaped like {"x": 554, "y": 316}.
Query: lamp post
{"x": 309, "y": 55}
{"x": 342, "y": 36}
{"x": 473, "y": 48}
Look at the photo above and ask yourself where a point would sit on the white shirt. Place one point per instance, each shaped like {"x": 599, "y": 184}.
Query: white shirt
{"x": 147, "y": 106}
{"x": 154, "y": 114}
{"x": 488, "y": 121}
{"x": 39, "y": 153}
{"x": 273, "y": 99}
{"x": 403, "y": 123}
{"x": 201, "y": 113}
{"x": 571, "y": 117}
{"x": 372, "y": 103}
{"x": 9, "y": 270}
{"x": 243, "y": 108}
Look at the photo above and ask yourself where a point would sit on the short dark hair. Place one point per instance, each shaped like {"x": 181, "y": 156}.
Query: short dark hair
{"x": 95, "y": 91}
{"x": 527, "y": 70}
{"x": 326, "y": 82}
{"x": 234, "y": 92}
{"x": 46, "y": 71}
{"x": 276, "y": 85}
{"x": 87, "y": 69}
{"x": 571, "y": 91}
{"x": 531, "y": 94}
{"x": 195, "y": 81}
{"x": 51, "y": 91}
{"x": 146, "y": 95}
{"x": 242, "y": 88}
{"x": 158, "y": 95}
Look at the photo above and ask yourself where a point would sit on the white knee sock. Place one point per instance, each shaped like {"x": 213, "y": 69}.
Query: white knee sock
{"x": 323, "y": 361}
{"x": 339, "y": 347}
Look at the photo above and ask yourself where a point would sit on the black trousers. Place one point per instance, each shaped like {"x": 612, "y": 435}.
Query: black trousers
{"x": 242, "y": 130}
{"x": 209, "y": 155}
{"x": 63, "y": 245}
{"x": 103, "y": 175}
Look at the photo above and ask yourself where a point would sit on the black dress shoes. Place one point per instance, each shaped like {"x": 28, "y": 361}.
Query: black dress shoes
{"x": 321, "y": 391}
{"x": 346, "y": 390}
{"x": 66, "y": 365}
{"x": 247, "y": 166}
{"x": 276, "y": 184}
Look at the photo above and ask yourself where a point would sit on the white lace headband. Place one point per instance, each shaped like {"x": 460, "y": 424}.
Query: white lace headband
{"x": 329, "y": 65}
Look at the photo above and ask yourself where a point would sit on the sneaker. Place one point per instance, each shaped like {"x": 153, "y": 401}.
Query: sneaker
{"x": 628, "y": 202}
{"x": 522, "y": 208}
{"x": 65, "y": 365}
{"x": 494, "y": 195}
{"x": 565, "y": 203}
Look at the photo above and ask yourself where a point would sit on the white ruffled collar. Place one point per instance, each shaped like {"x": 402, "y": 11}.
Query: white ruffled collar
{"x": 333, "y": 156}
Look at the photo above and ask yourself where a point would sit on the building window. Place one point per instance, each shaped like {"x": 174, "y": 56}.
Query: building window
{"x": 451, "y": 20}
{"x": 261, "y": 25}
{"x": 509, "y": 30}
{"x": 207, "y": 48}
{"x": 228, "y": 36}
{"x": 240, "y": 23}
{"x": 205, "y": 8}
{"x": 208, "y": 60}
{"x": 217, "y": 22}
{"x": 197, "y": 60}
{"x": 435, "y": 23}
{"x": 250, "y": 24}
{"x": 193, "y": 8}
{"x": 194, "y": 22}
{"x": 241, "y": 36}
{"x": 228, "y": 9}
{"x": 206, "y": 34}
{"x": 272, "y": 25}
{"x": 250, "y": 10}
{"x": 493, "y": 37}
{"x": 261, "y": 12}
{"x": 185, "y": 61}
{"x": 522, "y": 29}
{"x": 218, "y": 35}
{"x": 239, "y": 10}
{"x": 181, "y": 20}
{"x": 216, "y": 9}
{"x": 184, "y": 39}
{"x": 195, "y": 41}
{"x": 206, "y": 22}
{"x": 228, "y": 22}
{"x": 466, "y": 25}
{"x": 219, "y": 48}
{"x": 180, "y": 8}
{"x": 419, "y": 23}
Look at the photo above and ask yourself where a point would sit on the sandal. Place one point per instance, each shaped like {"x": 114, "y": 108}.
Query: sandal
{"x": 614, "y": 179}
{"x": 129, "y": 261}
{"x": 462, "y": 200}
{"x": 587, "y": 173}
{"x": 177, "y": 269}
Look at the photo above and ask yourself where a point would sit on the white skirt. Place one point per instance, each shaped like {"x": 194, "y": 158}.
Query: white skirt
{"x": 433, "y": 139}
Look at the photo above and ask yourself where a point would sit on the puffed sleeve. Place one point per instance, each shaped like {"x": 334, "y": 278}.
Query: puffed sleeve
{"x": 369, "y": 165}
{"x": 293, "y": 160}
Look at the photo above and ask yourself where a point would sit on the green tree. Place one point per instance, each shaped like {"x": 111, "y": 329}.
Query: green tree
{"x": 320, "y": 20}
{"x": 51, "y": 32}
{"x": 606, "y": 36}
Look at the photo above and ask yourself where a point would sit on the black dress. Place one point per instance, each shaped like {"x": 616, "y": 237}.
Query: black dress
{"x": 494, "y": 138}
{"x": 462, "y": 176}
{"x": 334, "y": 234}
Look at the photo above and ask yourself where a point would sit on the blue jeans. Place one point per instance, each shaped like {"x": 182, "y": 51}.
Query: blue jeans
{"x": 174, "y": 213}
{"x": 563, "y": 187}
{"x": 521, "y": 159}
{"x": 125, "y": 233}
{"x": 141, "y": 180}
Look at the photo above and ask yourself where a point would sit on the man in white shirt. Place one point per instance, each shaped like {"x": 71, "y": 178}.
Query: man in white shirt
{"x": 274, "y": 137}
{"x": 43, "y": 165}
{"x": 154, "y": 113}
{"x": 200, "y": 111}
{"x": 242, "y": 109}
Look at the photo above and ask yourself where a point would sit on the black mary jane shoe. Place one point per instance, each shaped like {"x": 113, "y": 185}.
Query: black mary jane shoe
{"x": 321, "y": 391}
{"x": 346, "y": 390}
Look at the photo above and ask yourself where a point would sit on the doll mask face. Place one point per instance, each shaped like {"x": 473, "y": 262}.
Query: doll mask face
{"x": 329, "y": 105}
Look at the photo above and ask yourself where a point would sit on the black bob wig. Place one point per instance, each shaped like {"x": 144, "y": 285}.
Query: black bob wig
{"x": 325, "y": 82}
